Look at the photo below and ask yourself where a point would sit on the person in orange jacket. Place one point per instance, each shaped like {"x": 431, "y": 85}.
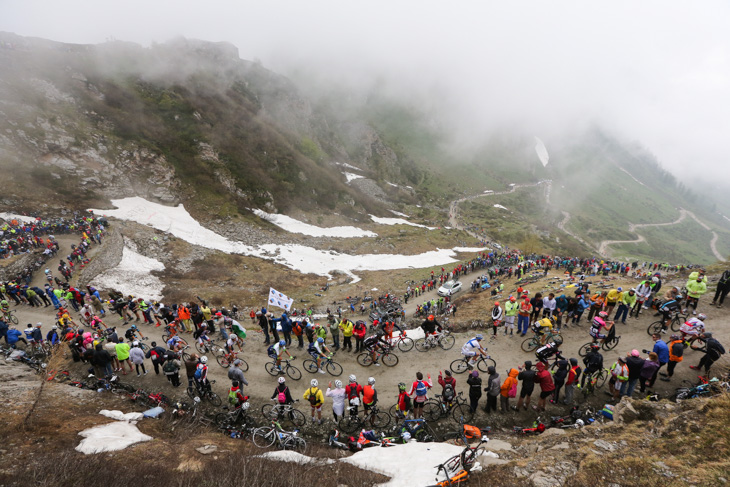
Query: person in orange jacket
{"x": 508, "y": 389}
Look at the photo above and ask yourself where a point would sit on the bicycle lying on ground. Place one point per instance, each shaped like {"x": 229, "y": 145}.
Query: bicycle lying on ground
{"x": 457, "y": 468}
{"x": 266, "y": 436}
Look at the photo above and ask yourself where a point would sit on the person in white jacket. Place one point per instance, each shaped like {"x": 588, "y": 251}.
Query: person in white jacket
{"x": 136, "y": 355}
{"x": 548, "y": 305}
{"x": 338, "y": 399}
{"x": 642, "y": 294}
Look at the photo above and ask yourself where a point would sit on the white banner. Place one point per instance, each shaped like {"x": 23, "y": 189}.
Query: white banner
{"x": 278, "y": 299}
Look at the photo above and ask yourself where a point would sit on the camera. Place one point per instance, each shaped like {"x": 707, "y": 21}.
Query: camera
{"x": 645, "y": 351}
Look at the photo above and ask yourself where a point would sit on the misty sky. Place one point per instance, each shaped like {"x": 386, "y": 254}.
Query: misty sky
{"x": 655, "y": 72}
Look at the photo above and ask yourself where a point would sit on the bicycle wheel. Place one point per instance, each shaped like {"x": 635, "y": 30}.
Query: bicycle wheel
{"x": 310, "y": 366}
{"x": 334, "y": 369}
{"x": 223, "y": 361}
{"x": 654, "y": 328}
{"x": 585, "y": 349}
{"x": 243, "y": 366}
{"x": 698, "y": 344}
{"x": 201, "y": 348}
{"x": 611, "y": 344}
{"x": 300, "y": 444}
{"x": 447, "y": 342}
{"x": 365, "y": 359}
{"x": 676, "y": 323}
{"x": 264, "y": 437}
{"x": 222, "y": 419}
{"x": 529, "y": 344}
{"x": 293, "y": 372}
{"x": 13, "y": 318}
{"x": 389, "y": 359}
{"x": 268, "y": 411}
{"x": 380, "y": 420}
{"x": 192, "y": 392}
{"x": 420, "y": 345}
{"x": 349, "y": 423}
{"x": 214, "y": 399}
{"x": 484, "y": 363}
{"x": 271, "y": 368}
{"x": 459, "y": 366}
{"x": 462, "y": 412}
{"x": 602, "y": 376}
{"x": 144, "y": 347}
{"x": 405, "y": 345}
{"x": 469, "y": 456}
{"x": 432, "y": 411}
{"x": 296, "y": 417}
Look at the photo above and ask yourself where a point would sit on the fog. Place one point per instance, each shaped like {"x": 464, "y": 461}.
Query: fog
{"x": 654, "y": 72}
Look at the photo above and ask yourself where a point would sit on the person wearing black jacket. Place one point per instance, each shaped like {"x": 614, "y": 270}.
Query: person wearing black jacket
{"x": 634, "y": 362}
{"x": 713, "y": 351}
{"x": 723, "y": 287}
{"x": 475, "y": 389}
{"x": 593, "y": 362}
{"x": 103, "y": 361}
{"x": 559, "y": 379}
{"x": 527, "y": 376}
{"x": 157, "y": 355}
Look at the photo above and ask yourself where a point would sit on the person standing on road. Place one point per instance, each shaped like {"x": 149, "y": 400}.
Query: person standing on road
{"x": 235, "y": 373}
{"x": 723, "y": 287}
{"x": 338, "y": 399}
{"x": 635, "y": 363}
{"x": 510, "y": 311}
{"x": 523, "y": 316}
{"x": 475, "y": 390}
{"x": 492, "y": 390}
{"x": 713, "y": 351}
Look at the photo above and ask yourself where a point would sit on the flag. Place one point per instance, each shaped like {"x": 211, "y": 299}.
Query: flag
{"x": 278, "y": 299}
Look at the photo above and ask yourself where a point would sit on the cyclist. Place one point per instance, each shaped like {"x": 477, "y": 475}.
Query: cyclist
{"x": 4, "y": 306}
{"x": 316, "y": 399}
{"x": 471, "y": 348}
{"x": 317, "y": 351}
{"x": 388, "y": 326}
{"x": 542, "y": 327}
{"x": 369, "y": 394}
{"x": 131, "y": 333}
{"x": 404, "y": 402}
{"x": 376, "y": 344}
{"x": 233, "y": 341}
{"x": 549, "y": 350}
{"x": 201, "y": 334}
{"x": 281, "y": 393}
{"x": 235, "y": 397}
{"x": 175, "y": 343}
{"x": 431, "y": 328}
{"x": 201, "y": 375}
{"x": 599, "y": 323}
{"x": 694, "y": 326}
{"x": 276, "y": 351}
{"x": 593, "y": 362}
{"x": 52, "y": 336}
{"x": 353, "y": 391}
{"x": 668, "y": 309}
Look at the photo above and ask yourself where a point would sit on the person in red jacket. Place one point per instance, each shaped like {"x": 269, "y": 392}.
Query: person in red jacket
{"x": 353, "y": 391}
{"x": 448, "y": 387}
{"x": 547, "y": 386}
{"x": 359, "y": 333}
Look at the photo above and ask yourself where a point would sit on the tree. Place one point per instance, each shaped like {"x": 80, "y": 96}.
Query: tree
{"x": 531, "y": 244}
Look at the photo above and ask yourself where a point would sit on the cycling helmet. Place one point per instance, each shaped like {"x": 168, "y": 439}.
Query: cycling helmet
{"x": 678, "y": 297}
{"x": 406, "y": 436}
{"x": 203, "y": 359}
{"x": 282, "y": 343}
{"x": 314, "y": 383}
{"x": 603, "y": 314}
{"x": 702, "y": 316}
{"x": 338, "y": 384}
{"x": 281, "y": 380}
{"x": 39, "y": 324}
{"x": 371, "y": 380}
{"x": 619, "y": 288}
{"x": 674, "y": 337}
{"x": 558, "y": 340}
{"x": 134, "y": 327}
{"x": 479, "y": 337}
{"x": 352, "y": 378}
{"x": 235, "y": 383}
{"x": 595, "y": 346}
{"x": 707, "y": 334}
{"x": 579, "y": 423}
{"x": 320, "y": 340}
{"x": 655, "y": 279}
{"x": 135, "y": 343}
{"x": 402, "y": 386}
{"x": 431, "y": 317}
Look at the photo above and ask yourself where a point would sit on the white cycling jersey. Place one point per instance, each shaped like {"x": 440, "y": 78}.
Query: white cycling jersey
{"x": 471, "y": 347}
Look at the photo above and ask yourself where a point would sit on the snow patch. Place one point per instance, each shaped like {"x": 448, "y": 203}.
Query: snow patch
{"x": 398, "y": 213}
{"x": 120, "y": 416}
{"x": 110, "y": 437}
{"x": 133, "y": 275}
{"x": 348, "y": 166}
{"x": 398, "y": 221}
{"x": 294, "y": 457}
{"x": 295, "y": 226}
{"x": 392, "y": 184}
{"x": 179, "y": 223}
{"x": 470, "y": 249}
{"x": 500, "y": 206}
{"x": 352, "y": 176}
{"x": 12, "y": 216}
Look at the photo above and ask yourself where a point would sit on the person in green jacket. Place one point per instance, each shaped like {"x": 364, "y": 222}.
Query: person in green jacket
{"x": 122, "y": 350}
{"x": 334, "y": 330}
{"x": 695, "y": 289}
{"x": 626, "y": 302}
{"x": 510, "y": 311}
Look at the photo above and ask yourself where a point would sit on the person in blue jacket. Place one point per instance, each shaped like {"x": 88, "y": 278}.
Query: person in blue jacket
{"x": 662, "y": 351}
{"x": 14, "y": 336}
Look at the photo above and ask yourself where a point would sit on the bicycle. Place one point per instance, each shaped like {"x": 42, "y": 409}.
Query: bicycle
{"x": 276, "y": 412}
{"x": 328, "y": 364}
{"x": 417, "y": 428}
{"x": 266, "y": 436}
{"x": 208, "y": 346}
{"x": 435, "y": 409}
{"x": 207, "y": 395}
{"x": 9, "y": 316}
{"x": 536, "y": 341}
{"x": 444, "y": 340}
{"x": 226, "y": 359}
{"x": 607, "y": 344}
{"x": 388, "y": 358}
{"x": 676, "y": 322}
{"x": 373, "y": 418}
{"x": 237, "y": 416}
{"x": 286, "y": 368}
{"x": 461, "y": 365}
{"x": 403, "y": 343}
{"x": 593, "y": 382}
{"x": 460, "y": 465}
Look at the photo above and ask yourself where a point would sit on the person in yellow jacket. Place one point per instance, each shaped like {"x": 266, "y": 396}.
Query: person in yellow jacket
{"x": 695, "y": 289}
{"x": 316, "y": 400}
{"x": 612, "y": 299}
{"x": 347, "y": 328}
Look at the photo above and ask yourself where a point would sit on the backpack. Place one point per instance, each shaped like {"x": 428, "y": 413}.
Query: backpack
{"x": 198, "y": 373}
{"x": 406, "y": 402}
{"x": 297, "y": 329}
{"x": 678, "y": 349}
{"x": 312, "y": 397}
{"x": 513, "y": 390}
{"x": 421, "y": 389}
{"x": 281, "y": 398}
{"x": 233, "y": 397}
{"x": 169, "y": 368}
{"x": 448, "y": 391}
